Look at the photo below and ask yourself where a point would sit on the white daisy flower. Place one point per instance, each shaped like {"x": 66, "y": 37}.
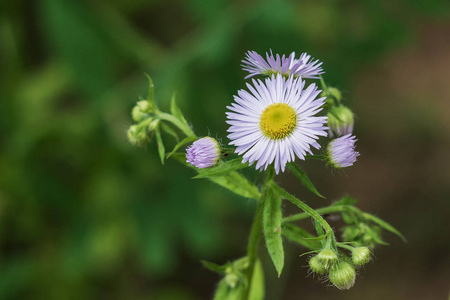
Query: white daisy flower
{"x": 276, "y": 121}
{"x": 304, "y": 66}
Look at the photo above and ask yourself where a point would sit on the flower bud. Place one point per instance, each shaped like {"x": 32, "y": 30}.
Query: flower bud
{"x": 137, "y": 136}
{"x": 153, "y": 125}
{"x": 327, "y": 258}
{"x": 203, "y": 153}
{"x": 361, "y": 256}
{"x": 340, "y": 120}
{"x": 316, "y": 266}
{"x": 141, "y": 110}
{"x": 342, "y": 275}
{"x": 232, "y": 280}
{"x": 335, "y": 93}
{"x": 144, "y": 106}
{"x": 341, "y": 152}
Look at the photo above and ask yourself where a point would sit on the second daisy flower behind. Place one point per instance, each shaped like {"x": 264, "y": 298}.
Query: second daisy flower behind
{"x": 276, "y": 121}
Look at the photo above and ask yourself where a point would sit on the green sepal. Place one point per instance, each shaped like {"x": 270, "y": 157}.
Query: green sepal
{"x": 175, "y": 110}
{"x": 180, "y": 144}
{"x": 222, "y": 168}
{"x": 256, "y": 289}
{"x": 304, "y": 179}
{"x": 272, "y": 226}
{"x": 300, "y": 236}
{"x": 214, "y": 267}
{"x": 384, "y": 225}
{"x": 170, "y": 131}
{"x": 160, "y": 144}
{"x": 346, "y": 200}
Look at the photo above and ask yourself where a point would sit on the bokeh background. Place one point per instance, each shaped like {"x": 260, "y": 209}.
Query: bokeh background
{"x": 84, "y": 215}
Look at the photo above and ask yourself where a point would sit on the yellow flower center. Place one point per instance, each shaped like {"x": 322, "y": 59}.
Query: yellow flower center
{"x": 278, "y": 121}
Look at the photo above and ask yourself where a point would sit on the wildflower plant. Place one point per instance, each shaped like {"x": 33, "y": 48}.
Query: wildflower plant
{"x": 276, "y": 121}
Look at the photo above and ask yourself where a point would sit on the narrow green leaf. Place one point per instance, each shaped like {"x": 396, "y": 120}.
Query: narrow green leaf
{"x": 320, "y": 232}
{"x": 170, "y": 131}
{"x": 384, "y": 225}
{"x": 180, "y": 144}
{"x": 257, "y": 291}
{"x": 374, "y": 235}
{"x": 213, "y": 267}
{"x": 161, "y": 149}
{"x": 238, "y": 184}
{"x": 304, "y": 179}
{"x": 233, "y": 181}
{"x": 301, "y": 236}
{"x": 346, "y": 200}
{"x": 175, "y": 110}
{"x": 272, "y": 227}
{"x": 151, "y": 90}
{"x": 222, "y": 168}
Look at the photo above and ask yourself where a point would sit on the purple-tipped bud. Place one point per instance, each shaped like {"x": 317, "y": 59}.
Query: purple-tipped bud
{"x": 203, "y": 153}
{"x": 341, "y": 152}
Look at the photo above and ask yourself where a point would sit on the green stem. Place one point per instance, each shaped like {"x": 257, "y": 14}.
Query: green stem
{"x": 303, "y": 206}
{"x": 255, "y": 232}
{"x": 324, "y": 85}
{"x": 183, "y": 127}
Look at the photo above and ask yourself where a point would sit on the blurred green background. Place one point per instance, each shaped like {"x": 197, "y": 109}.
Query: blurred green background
{"x": 84, "y": 215}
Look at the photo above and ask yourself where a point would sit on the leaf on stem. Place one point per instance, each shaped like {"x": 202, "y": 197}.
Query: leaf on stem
{"x": 384, "y": 225}
{"x": 161, "y": 149}
{"x": 238, "y": 184}
{"x": 300, "y": 236}
{"x": 213, "y": 267}
{"x": 222, "y": 168}
{"x": 272, "y": 227}
{"x": 176, "y": 111}
{"x": 170, "y": 131}
{"x": 346, "y": 200}
{"x": 304, "y": 179}
{"x": 256, "y": 290}
{"x": 180, "y": 144}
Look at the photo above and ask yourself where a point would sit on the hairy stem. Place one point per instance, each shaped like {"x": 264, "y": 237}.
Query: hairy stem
{"x": 255, "y": 232}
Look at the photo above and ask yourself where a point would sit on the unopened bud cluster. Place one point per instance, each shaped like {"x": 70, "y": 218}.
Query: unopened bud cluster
{"x": 141, "y": 133}
{"x": 341, "y": 272}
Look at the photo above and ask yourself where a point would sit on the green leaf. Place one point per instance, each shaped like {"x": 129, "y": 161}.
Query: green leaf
{"x": 374, "y": 235}
{"x": 170, "y": 131}
{"x": 301, "y": 236}
{"x": 214, "y": 267}
{"x": 384, "y": 225}
{"x": 272, "y": 227}
{"x": 256, "y": 290}
{"x": 238, "y": 184}
{"x": 176, "y": 111}
{"x": 304, "y": 179}
{"x": 161, "y": 149}
{"x": 320, "y": 232}
{"x": 347, "y": 200}
{"x": 222, "y": 168}
{"x": 151, "y": 90}
{"x": 180, "y": 144}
